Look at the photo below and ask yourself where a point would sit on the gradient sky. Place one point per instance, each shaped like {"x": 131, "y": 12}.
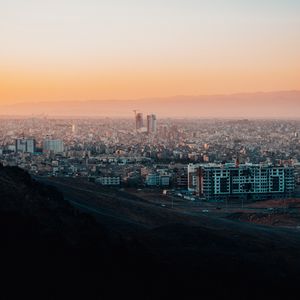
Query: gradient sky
{"x": 100, "y": 49}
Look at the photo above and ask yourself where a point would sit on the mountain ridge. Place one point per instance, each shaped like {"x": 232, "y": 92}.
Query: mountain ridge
{"x": 280, "y": 104}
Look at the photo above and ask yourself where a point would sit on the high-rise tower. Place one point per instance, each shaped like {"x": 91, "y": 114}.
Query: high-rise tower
{"x": 139, "y": 123}
{"x": 151, "y": 124}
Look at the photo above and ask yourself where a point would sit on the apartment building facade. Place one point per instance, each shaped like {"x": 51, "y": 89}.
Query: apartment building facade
{"x": 249, "y": 181}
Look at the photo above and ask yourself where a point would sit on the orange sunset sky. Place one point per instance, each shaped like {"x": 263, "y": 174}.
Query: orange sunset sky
{"x": 81, "y": 50}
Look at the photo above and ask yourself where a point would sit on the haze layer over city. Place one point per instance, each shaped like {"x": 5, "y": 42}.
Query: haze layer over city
{"x": 150, "y": 149}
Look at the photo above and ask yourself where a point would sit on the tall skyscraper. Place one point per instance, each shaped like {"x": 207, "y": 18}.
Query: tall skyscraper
{"x": 55, "y": 146}
{"x": 151, "y": 124}
{"x": 139, "y": 122}
{"x": 74, "y": 129}
{"x": 25, "y": 145}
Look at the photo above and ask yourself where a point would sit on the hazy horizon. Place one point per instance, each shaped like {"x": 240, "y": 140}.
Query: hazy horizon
{"x": 62, "y": 50}
{"x": 272, "y": 105}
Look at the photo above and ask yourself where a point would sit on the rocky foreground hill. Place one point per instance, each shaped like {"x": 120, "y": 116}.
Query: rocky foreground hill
{"x": 49, "y": 250}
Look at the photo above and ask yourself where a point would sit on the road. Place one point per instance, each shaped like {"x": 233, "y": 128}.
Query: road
{"x": 123, "y": 211}
{"x": 81, "y": 199}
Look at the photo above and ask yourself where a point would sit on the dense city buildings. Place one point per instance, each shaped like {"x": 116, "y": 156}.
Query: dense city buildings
{"x": 166, "y": 154}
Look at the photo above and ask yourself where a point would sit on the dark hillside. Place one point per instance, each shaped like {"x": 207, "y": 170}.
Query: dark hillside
{"x": 51, "y": 251}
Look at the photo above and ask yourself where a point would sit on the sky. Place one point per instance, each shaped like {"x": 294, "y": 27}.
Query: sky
{"x": 62, "y": 50}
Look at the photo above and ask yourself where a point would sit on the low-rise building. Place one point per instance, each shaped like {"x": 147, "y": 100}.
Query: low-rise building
{"x": 109, "y": 180}
{"x": 156, "y": 179}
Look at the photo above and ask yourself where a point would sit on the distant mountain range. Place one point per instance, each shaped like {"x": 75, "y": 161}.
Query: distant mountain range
{"x": 282, "y": 104}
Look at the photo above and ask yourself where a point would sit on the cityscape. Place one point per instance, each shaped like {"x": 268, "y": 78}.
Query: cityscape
{"x": 149, "y": 149}
{"x": 152, "y": 152}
